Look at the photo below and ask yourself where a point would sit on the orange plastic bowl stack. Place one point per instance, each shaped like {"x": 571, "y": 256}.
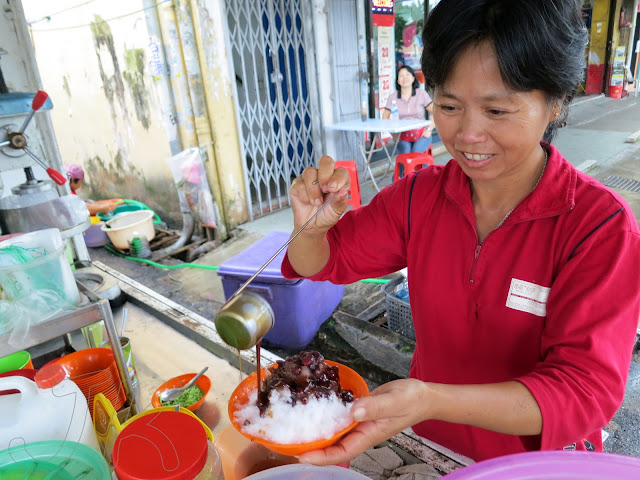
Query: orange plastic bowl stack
{"x": 203, "y": 382}
{"x": 349, "y": 380}
{"x": 94, "y": 370}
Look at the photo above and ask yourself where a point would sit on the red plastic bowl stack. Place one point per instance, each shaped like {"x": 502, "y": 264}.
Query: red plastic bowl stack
{"x": 94, "y": 370}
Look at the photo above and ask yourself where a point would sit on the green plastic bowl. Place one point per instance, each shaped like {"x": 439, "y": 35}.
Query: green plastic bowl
{"x": 15, "y": 361}
{"x": 122, "y": 208}
{"x": 53, "y": 460}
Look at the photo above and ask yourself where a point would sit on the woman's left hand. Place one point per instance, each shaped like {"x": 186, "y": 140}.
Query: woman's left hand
{"x": 427, "y": 132}
{"x": 389, "y": 410}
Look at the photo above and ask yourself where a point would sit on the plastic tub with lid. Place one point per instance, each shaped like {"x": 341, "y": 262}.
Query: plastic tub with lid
{"x": 52, "y": 460}
{"x": 299, "y": 306}
{"x": 51, "y": 408}
{"x": 167, "y": 445}
{"x": 36, "y": 261}
{"x": 552, "y": 465}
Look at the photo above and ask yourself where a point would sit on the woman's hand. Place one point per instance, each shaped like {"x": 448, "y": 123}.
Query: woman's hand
{"x": 427, "y": 132}
{"x": 389, "y": 410}
{"x": 311, "y": 189}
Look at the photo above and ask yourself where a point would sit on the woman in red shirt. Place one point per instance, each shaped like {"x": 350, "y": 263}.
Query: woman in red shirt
{"x": 513, "y": 255}
{"x": 411, "y": 102}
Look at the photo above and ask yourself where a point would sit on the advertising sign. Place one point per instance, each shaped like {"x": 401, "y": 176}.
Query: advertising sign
{"x": 382, "y": 11}
{"x": 386, "y": 73}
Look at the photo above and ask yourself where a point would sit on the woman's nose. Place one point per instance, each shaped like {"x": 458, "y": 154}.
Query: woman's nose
{"x": 471, "y": 129}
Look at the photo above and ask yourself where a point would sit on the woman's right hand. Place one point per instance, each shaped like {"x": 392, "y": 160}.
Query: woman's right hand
{"x": 312, "y": 188}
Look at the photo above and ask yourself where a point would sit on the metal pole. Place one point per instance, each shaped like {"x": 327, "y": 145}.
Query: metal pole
{"x": 114, "y": 340}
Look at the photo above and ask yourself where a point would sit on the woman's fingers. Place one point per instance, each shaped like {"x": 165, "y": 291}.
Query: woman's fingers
{"x": 311, "y": 183}
{"x": 330, "y": 178}
{"x": 326, "y": 168}
{"x": 363, "y": 437}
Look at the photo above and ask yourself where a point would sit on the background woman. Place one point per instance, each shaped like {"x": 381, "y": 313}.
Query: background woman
{"x": 523, "y": 271}
{"x": 412, "y": 102}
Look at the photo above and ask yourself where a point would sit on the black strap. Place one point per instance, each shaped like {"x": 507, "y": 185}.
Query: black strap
{"x": 413, "y": 182}
{"x": 593, "y": 231}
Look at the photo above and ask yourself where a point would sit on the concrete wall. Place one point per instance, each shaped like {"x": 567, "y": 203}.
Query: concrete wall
{"x": 134, "y": 83}
{"x": 94, "y": 60}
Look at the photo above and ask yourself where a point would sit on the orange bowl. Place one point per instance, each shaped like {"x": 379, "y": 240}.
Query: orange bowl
{"x": 203, "y": 382}
{"x": 88, "y": 364}
{"x": 349, "y": 380}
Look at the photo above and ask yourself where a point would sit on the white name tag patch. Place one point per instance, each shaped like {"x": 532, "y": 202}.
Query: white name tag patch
{"x": 528, "y": 297}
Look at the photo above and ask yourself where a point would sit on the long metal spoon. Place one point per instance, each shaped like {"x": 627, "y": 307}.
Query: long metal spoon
{"x": 245, "y": 284}
{"x": 173, "y": 393}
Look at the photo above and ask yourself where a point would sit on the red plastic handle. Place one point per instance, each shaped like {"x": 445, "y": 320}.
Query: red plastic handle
{"x": 56, "y": 176}
{"x": 39, "y": 99}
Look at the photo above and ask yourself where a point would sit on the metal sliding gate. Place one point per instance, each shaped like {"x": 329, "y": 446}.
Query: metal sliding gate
{"x": 270, "y": 55}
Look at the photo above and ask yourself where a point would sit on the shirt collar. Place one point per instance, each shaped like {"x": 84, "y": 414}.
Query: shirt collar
{"x": 554, "y": 194}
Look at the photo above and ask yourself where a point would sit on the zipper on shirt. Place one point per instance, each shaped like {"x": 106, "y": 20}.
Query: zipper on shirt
{"x": 475, "y": 262}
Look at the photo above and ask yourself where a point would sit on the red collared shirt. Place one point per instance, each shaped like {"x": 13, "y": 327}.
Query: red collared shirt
{"x": 550, "y": 299}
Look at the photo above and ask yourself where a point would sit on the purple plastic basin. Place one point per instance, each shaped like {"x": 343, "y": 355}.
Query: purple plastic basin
{"x": 552, "y": 465}
{"x": 95, "y": 237}
{"x": 299, "y": 306}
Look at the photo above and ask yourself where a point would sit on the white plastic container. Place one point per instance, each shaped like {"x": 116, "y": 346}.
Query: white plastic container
{"x": 48, "y": 270}
{"x": 123, "y": 228}
{"x": 51, "y": 408}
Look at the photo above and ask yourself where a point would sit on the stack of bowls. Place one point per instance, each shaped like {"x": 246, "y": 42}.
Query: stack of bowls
{"x": 94, "y": 370}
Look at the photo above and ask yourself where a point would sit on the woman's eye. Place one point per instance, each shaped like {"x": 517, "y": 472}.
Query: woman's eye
{"x": 496, "y": 112}
{"x": 446, "y": 108}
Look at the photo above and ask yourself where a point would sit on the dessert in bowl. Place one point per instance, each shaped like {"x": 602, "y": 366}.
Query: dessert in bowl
{"x": 304, "y": 404}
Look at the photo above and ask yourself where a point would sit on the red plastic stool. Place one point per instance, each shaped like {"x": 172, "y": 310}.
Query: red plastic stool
{"x": 412, "y": 162}
{"x": 354, "y": 188}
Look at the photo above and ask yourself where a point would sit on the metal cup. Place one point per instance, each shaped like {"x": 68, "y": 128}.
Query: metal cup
{"x": 245, "y": 320}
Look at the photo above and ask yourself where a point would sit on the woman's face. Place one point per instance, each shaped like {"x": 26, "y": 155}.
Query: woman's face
{"x": 405, "y": 79}
{"x": 491, "y": 131}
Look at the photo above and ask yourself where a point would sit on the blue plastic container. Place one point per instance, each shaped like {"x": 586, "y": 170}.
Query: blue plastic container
{"x": 299, "y": 306}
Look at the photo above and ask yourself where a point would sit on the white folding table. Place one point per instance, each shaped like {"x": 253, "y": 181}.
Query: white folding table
{"x": 376, "y": 126}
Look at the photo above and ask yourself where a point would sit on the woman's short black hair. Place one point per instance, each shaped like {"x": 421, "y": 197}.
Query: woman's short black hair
{"x": 415, "y": 83}
{"x": 539, "y": 44}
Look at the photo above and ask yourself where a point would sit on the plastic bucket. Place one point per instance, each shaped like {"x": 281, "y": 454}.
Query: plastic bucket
{"x": 15, "y": 361}
{"x": 615, "y": 91}
{"x": 552, "y": 465}
{"x": 53, "y": 460}
{"x": 123, "y": 228}
{"x": 46, "y": 267}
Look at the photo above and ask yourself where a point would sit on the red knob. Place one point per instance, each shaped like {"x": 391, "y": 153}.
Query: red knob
{"x": 56, "y": 176}
{"x": 39, "y": 99}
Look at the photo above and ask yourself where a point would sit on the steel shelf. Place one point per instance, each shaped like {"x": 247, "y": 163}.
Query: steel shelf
{"x": 98, "y": 310}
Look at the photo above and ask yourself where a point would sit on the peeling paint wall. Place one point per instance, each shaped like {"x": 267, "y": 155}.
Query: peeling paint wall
{"x": 94, "y": 59}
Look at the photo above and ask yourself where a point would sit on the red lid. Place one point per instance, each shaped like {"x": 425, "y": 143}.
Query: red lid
{"x": 50, "y": 375}
{"x": 161, "y": 446}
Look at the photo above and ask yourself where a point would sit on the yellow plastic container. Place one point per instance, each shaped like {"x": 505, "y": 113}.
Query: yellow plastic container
{"x": 107, "y": 425}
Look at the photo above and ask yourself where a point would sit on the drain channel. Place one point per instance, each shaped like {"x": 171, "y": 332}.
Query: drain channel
{"x": 623, "y": 183}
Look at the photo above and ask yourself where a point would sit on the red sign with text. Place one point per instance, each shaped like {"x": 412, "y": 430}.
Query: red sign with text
{"x": 382, "y": 11}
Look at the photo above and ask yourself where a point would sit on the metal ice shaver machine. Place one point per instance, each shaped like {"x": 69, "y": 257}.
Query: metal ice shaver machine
{"x": 36, "y": 203}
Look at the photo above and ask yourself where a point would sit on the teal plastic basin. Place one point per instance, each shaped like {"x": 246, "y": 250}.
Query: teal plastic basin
{"x": 53, "y": 460}
{"x": 125, "y": 207}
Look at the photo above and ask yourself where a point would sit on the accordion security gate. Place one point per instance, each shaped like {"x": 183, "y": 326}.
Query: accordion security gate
{"x": 270, "y": 54}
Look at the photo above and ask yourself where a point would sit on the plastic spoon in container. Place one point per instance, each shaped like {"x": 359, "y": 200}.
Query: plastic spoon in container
{"x": 246, "y": 317}
{"x": 124, "y": 320}
{"x": 173, "y": 393}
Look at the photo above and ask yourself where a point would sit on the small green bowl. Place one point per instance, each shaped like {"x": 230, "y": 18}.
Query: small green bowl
{"x": 15, "y": 361}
